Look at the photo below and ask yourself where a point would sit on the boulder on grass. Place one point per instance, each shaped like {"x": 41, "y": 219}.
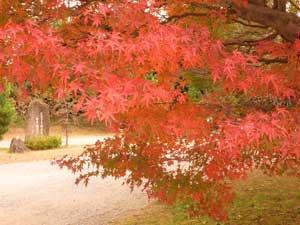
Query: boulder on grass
{"x": 17, "y": 146}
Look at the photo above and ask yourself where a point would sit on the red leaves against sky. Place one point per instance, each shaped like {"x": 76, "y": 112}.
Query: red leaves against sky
{"x": 174, "y": 148}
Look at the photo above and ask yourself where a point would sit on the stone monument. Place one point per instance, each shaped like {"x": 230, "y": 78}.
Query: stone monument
{"x": 38, "y": 119}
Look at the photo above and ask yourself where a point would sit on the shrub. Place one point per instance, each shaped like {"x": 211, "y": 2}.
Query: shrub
{"x": 43, "y": 142}
{"x": 6, "y": 113}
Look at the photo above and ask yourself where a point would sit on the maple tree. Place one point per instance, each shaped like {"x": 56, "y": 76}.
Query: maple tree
{"x": 202, "y": 90}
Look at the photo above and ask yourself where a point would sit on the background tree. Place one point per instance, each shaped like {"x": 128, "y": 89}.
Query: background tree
{"x": 221, "y": 99}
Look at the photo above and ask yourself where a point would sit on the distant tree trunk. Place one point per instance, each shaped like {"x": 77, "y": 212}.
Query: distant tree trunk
{"x": 67, "y": 123}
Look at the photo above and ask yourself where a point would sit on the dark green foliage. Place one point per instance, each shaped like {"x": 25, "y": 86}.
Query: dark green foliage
{"x": 43, "y": 142}
{"x": 151, "y": 76}
{"x": 198, "y": 85}
{"x": 6, "y": 113}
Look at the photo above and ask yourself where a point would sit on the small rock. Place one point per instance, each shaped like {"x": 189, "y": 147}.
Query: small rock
{"x": 17, "y": 146}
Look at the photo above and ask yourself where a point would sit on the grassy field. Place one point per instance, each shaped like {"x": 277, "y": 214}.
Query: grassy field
{"x": 261, "y": 200}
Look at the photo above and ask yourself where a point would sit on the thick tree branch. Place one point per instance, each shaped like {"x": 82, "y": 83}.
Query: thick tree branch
{"x": 286, "y": 24}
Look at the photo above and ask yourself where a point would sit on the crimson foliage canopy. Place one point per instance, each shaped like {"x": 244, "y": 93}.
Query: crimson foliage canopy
{"x": 203, "y": 91}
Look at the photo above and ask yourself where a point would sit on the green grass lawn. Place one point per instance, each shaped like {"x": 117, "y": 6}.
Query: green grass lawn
{"x": 260, "y": 200}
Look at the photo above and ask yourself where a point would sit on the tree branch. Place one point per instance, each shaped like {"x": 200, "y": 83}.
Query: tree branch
{"x": 294, "y": 4}
{"x": 273, "y": 60}
{"x": 250, "y": 42}
{"x": 249, "y": 24}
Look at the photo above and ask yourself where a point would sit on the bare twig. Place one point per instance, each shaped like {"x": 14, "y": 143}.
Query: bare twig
{"x": 184, "y": 15}
{"x": 250, "y": 24}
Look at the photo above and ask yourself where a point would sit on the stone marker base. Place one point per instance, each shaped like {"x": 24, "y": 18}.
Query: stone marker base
{"x": 17, "y": 146}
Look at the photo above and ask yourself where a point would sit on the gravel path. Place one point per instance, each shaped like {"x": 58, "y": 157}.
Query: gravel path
{"x": 37, "y": 193}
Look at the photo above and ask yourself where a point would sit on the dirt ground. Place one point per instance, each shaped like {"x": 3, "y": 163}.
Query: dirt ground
{"x": 34, "y": 192}
{"x": 37, "y": 193}
{"x": 6, "y": 157}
